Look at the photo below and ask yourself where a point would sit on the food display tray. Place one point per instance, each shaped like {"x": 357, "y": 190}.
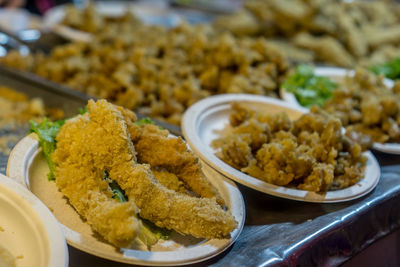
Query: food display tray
{"x": 277, "y": 232}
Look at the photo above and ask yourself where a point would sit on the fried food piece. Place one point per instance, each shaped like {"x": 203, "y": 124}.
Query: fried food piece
{"x": 169, "y": 180}
{"x": 109, "y": 138}
{"x": 234, "y": 150}
{"x": 367, "y": 108}
{"x": 309, "y": 153}
{"x": 80, "y": 180}
{"x": 153, "y": 146}
{"x": 156, "y": 148}
{"x": 326, "y": 49}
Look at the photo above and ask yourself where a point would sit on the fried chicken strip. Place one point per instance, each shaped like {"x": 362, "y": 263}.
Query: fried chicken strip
{"x": 199, "y": 217}
{"x": 153, "y": 146}
{"x": 81, "y": 182}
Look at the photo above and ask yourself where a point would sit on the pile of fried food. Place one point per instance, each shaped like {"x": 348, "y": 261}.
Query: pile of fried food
{"x": 16, "y": 109}
{"x": 155, "y": 70}
{"x": 310, "y": 153}
{"x": 161, "y": 178}
{"x": 340, "y": 33}
{"x": 368, "y": 108}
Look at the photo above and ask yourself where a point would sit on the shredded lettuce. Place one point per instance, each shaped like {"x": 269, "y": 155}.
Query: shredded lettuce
{"x": 390, "y": 69}
{"x": 308, "y": 88}
{"x": 47, "y": 132}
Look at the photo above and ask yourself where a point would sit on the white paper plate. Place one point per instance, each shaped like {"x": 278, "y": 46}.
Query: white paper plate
{"x": 338, "y": 74}
{"x": 27, "y": 165}
{"x": 146, "y": 13}
{"x": 28, "y": 230}
{"x": 203, "y": 121}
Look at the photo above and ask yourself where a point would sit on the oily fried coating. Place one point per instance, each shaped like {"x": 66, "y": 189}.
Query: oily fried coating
{"x": 368, "y": 108}
{"x": 169, "y": 180}
{"x": 80, "y": 180}
{"x": 200, "y": 217}
{"x": 153, "y": 146}
{"x": 309, "y": 153}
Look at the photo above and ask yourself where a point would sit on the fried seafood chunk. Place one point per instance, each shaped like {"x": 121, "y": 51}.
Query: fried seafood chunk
{"x": 309, "y": 153}
{"x": 114, "y": 152}
{"x": 368, "y": 108}
{"x": 80, "y": 180}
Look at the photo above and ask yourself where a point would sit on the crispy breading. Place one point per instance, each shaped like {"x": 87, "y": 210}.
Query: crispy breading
{"x": 80, "y": 180}
{"x": 154, "y": 147}
{"x": 310, "y": 153}
{"x": 169, "y": 180}
{"x": 367, "y": 107}
{"x": 200, "y": 217}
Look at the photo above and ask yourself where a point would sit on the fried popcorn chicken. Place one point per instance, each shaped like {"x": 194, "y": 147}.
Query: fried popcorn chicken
{"x": 309, "y": 153}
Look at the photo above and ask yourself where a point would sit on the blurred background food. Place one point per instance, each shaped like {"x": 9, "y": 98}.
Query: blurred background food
{"x": 156, "y": 70}
{"x": 339, "y": 33}
{"x": 16, "y": 110}
{"x": 160, "y": 68}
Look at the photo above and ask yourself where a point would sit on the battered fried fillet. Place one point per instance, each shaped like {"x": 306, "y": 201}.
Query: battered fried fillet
{"x": 169, "y": 180}
{"x": 199, "y": 217}
{"x": 80, "y": 180}
{"x": 153, "y": 146}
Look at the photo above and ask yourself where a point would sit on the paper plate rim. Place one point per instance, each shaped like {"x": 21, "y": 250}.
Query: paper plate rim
{"x": 58, "y": 250}
{"x": 390, "y": 148}
{"x": 19, "y": 163}
{"x": 190, "y": 123}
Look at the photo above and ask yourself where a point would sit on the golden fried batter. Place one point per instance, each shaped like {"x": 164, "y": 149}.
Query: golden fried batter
{"x": 310, "y": 153}
{"x": 154, "y": 147}
{"x": 367, "y": 108}
{"x": 169, "y": 180}
{"x": 106, "y": 136}
{"x": 80, "y": 180}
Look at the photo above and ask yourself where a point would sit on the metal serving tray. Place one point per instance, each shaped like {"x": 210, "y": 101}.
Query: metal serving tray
{"x": 54, "y": 94}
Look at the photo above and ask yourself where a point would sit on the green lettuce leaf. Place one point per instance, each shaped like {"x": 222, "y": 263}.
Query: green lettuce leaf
{"x": 390, "y": 69}
{"x": 47, "y": 132}
{"x": 308, "y": 88}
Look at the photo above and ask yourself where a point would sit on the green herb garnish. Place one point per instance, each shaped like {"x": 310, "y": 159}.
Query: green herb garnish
{"x": 308, "y": 88}
{"x": 47, "y": 132}
{"x": 83, "y": 110}
{"x": 145, "y": 120}
{"x": 390, "y": 69}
